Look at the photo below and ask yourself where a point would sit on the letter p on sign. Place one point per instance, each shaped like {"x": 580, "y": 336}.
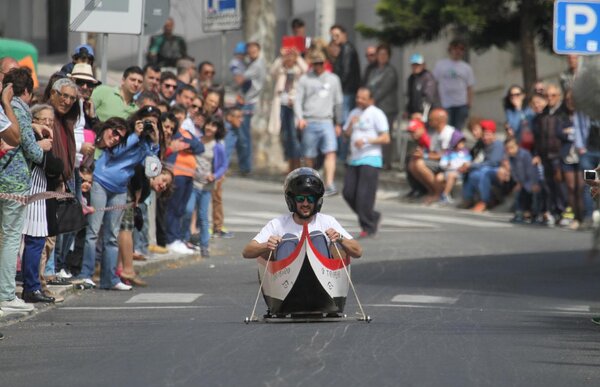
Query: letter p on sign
{"x": 576, "y": 29}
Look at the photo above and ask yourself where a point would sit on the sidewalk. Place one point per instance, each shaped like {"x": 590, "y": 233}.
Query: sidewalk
{"x": 152, "y": 265}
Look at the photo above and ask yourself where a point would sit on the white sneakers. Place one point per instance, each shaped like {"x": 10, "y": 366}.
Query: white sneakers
{"x": 16, "y": 305}
{"x": 179, "y": 247}
{"x": 121, "y": 286}
{"x": 63, "y": 274}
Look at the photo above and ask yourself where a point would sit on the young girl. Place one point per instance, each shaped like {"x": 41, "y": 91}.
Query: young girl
{"x": 451, "y": 161}
{"x": 210, "y": 166}
{"x": 139, "y": 189}
{"x": 112, "y": 173}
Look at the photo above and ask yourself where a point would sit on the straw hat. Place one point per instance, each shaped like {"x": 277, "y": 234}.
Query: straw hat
{"x": 83, "y": 71}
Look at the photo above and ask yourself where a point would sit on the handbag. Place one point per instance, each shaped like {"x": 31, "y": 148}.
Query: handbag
{"x": 69, "y": 214}
{"x": 527, "y": 138}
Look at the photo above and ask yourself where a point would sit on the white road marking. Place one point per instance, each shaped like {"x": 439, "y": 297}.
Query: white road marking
{"x": 132, "y": 307}
{"x": 583, "y": 311}
{"x": 423, "y": 299}
{"x": 457, "y": 220}
{"x": 164, "y": 298}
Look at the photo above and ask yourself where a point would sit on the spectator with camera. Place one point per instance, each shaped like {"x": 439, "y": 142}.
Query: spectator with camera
{"x": 131, "y": 142}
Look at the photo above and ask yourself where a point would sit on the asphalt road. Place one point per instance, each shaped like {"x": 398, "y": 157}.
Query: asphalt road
{"x": 456, "y": 300}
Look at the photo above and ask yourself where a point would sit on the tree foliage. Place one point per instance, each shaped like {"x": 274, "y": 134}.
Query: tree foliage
{"x": 484, "y": 23}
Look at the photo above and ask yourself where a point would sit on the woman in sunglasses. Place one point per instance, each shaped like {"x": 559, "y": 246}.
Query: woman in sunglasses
{"x": 113, "y": 170}
{"x": 304, "y": 191}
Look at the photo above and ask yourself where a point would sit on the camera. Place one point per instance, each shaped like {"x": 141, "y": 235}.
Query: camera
{"x": 590, "y": 174}
{"x": 148, "y": 128}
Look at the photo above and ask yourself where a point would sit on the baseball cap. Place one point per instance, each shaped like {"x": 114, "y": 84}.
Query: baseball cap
{"x": 488, "y": 126}
{"x": 89, "y": 49}
{"x": 240, "y": 48}
{"x": 414, "y": 125}
{"x": 417, "y": 59}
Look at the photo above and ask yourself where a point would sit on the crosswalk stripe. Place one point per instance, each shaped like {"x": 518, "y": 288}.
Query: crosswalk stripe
{"x": 461, "y": 221}
{"x": 423, "y": 299}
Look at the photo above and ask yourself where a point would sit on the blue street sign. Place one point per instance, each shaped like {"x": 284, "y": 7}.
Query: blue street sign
{"x": 576, "y": 27}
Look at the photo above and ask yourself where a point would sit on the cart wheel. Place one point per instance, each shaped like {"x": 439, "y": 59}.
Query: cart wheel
{"x": 247, "y": 320}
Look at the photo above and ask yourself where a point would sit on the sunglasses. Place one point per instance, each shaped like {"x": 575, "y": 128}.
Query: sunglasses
{"x": 116, "y": 133}
{"x": 170, "y": 86}
{"x": 197, "y": 106}
{"x": 81, "y": 83}
{"x": 301, "y": 198}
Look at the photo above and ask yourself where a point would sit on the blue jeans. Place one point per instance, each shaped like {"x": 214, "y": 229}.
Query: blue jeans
{"x": 457, "y": 116}
{"x": 231, "y": 142}
{"x": 292, "y": 149}
{"x": 176, "y": 209}
{"x": 140, "y": 238}
{"x": 318, "y": 136}
{"x": 199, "y": 201}
{"x": 64, "y": 243}
{"x": 588, "y": 160}
{"x": 50, "y": 267}
{"x": 244, "y": 143}
{"x": 110, "y": 221}
{"x": 12, "y": 216}
{"x": 30, "y": 266}
{"x": 480, "y": 181}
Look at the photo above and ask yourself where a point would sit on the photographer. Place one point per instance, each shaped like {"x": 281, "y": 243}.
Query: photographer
{"x": 139, "y": 138}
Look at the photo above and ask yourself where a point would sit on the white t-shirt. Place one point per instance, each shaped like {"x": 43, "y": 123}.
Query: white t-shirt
{"x": 371, "y": 124}
{"x": 285, "y": 224}
{"x": 4, "y": 121}
{"x": 441, "y": 141}
{"x": 453, "y": 78}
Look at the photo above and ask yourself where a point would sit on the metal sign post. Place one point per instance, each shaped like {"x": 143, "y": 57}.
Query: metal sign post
{"x": 222, "y": 16}
{"x": 106, "y": 17}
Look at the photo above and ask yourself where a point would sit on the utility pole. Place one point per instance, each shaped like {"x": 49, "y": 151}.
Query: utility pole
{"x": 325, "y": 14}
{"x": 259, "y": 26}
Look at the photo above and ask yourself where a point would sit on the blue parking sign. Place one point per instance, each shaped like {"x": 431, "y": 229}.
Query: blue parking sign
{"x": 576, "y": 27}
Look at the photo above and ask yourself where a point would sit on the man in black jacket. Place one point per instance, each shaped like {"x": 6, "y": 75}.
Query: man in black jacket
{"x": 421, "y": 90}
{"x": 347, "y": 68}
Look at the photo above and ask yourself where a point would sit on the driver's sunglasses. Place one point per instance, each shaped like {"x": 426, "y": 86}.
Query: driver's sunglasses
{"x": 301, "y": 198}
{"x": 116, "y": 133}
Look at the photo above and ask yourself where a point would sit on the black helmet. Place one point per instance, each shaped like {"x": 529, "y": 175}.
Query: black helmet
{"x": 303, "y": 181}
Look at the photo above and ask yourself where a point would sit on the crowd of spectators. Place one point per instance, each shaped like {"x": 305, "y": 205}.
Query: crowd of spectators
{"x": 539, "y": 162}
{"x": 146, "y": 159}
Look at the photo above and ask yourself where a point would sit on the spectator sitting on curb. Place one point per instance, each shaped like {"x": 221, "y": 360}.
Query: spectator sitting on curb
{"x": 483, "y": 174}
{"x": 420, "y": 138}
{"x": 525, "y": 174}
{"x": 425, "y": 165}
{"x": 451, "y": 161}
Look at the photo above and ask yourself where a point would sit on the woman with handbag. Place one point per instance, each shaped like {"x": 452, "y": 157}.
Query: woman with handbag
{"x": 40, "y": 215}
{"x": 138, "y": 138}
